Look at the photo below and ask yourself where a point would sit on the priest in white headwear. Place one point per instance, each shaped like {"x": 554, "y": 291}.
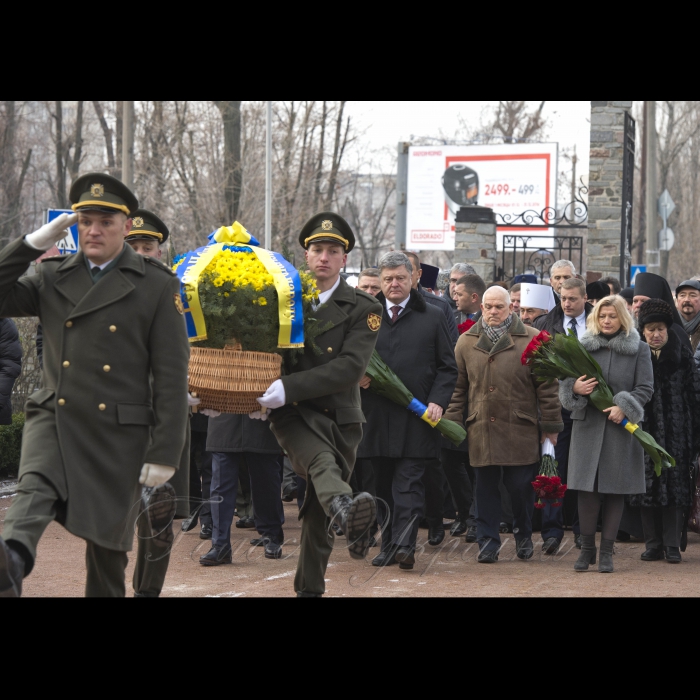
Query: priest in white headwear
{"x": 535, "y": 300}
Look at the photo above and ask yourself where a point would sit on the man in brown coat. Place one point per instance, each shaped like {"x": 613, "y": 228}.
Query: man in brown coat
{"x": 504, "y": 409}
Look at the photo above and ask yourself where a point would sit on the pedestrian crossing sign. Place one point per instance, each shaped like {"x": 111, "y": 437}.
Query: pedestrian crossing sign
{"x": 69, "y": 244}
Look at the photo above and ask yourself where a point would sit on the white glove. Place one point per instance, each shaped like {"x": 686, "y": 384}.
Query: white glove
{"x": 274, "y": 397}
{"x": 259, "y": 415}
{"x": 155, "y": 474}
{"x": 191, "y": 401}
{"x": 210, "y": 412}
{"x": 53, "y": 232}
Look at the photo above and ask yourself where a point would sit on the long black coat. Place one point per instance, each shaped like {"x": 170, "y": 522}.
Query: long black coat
{"x": 672, "y": 417}
{"x": 10, "y": 366}
{"x": 418, "y": 348}
{"x": 238, "y": 433}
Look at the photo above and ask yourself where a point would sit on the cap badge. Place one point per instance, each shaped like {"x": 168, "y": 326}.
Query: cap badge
{"x": 138, "y": 222}
{"x": 97, "y": 190}
{"x": 327, "y": 225}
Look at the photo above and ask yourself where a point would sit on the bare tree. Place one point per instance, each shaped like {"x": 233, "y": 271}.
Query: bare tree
{"x": 231, "y": 115}
{"x": 13, "y": 171}
{"x": 509, "y": 122}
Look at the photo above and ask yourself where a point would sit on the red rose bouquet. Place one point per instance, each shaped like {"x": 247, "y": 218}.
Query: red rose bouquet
{"x": 563, "y": 356}
{"x": 464, "y": 327}
{"x": 547, "y": 485}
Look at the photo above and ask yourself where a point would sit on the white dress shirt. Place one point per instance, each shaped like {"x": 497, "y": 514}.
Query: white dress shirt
{"x": 323, "y": 297}
{"x": 390, "y": 305}
{"x": 580, "y": 323}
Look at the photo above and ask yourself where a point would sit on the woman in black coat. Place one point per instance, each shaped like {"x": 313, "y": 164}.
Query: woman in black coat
{"x": 10, "y": 366}
{"x": 672, "y": 417}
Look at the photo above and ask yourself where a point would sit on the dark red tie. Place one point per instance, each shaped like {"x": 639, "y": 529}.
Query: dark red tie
{"x": 395, "y": 313}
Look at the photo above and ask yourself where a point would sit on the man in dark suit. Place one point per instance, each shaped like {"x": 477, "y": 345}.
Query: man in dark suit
{"x": 434, "y": 478}
{"x": 570, "y": 314}
{"x": 414, "y": 342}
{"x": 316, "y": 412}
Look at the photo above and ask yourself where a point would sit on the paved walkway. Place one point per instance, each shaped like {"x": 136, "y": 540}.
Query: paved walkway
{"x": 448, "y": 570}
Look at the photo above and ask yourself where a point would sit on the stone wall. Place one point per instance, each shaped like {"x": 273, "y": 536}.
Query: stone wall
{"x": 605, "y": 186}
{"x": 475, "y": 241}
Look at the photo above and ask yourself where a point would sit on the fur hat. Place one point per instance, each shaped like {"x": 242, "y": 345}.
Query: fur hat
{"x": 655, "y": 311}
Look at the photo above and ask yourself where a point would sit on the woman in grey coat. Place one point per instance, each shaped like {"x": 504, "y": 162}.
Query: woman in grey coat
{"x": 604, "y": 459}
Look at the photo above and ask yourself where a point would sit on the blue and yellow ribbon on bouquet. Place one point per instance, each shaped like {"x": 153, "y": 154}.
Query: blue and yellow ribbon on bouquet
{"x": 285, "y": 277}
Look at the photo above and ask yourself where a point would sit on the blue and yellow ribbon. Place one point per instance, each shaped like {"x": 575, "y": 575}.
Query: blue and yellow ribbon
{"x": 629, "y": 427}
{"x": 421, "y": 410}
{"x": 285, "y": 277}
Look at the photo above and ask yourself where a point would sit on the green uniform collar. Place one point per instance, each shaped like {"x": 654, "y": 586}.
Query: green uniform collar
{"x": 99, "y": 275}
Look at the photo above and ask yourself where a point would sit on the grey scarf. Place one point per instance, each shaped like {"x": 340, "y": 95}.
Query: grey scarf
{"x": 691, "y": 326}
{"x": 494, "y": 333}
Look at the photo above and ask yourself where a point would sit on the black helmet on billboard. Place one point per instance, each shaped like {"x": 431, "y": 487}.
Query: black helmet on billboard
{"x": 461, "y": 185}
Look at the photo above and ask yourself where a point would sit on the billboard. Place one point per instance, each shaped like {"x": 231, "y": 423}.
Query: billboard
{"x": 508, "y": 178}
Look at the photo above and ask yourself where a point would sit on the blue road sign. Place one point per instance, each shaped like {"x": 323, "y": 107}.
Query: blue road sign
{"x": 635, "y": 270}
{"x": 70, "y": 243}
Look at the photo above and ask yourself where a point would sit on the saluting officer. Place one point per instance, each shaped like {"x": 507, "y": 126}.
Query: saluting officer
{"x": 319, "y": 417}
{"x": 147, "y": 235}
{"x": 113, "y": 410}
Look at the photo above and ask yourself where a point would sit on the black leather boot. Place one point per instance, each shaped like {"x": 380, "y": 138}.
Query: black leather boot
{"x": 459, "y": 527}
{"x": 11, "y": 571}
{"x": 588, "y": 552}
{"x": 673, "y": 555}
{"x": 605, "y": 565}
{"x": 355, "y": 517}
{"x": 216, "y": 557}
{"x": 436, "y": 533}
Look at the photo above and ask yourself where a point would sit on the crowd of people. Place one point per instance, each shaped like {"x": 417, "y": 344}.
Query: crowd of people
{"x": 114, "y": 411}
{"x": 458, "y": 350}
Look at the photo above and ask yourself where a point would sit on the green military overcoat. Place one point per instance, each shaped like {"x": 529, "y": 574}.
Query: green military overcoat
{"x": 324, "y": 411}
{"x": 98, "y": 417}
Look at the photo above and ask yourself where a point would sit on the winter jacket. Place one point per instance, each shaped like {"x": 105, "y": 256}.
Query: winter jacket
{"x": 672, "y": 418}
{"x": 10, "y": 366}
{"x": 498, "y": 400}
{"x": 238, "y": 433}
{"x": 419, "y": 350}
{"x": 600, "y": 447}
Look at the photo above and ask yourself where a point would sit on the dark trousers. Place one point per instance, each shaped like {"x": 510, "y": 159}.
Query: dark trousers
{"x": 400, "y": 499}
{"x": 435, "y": 487}
{"x": 553, "y": 518}
{"x": 266, "y": 482}
{"x": 362, "y": 478}
{"x": 517, "y": 481}
{"x": 200, "y": 477}
{"x": 460, "y": 478}
{"x": 34, "y": 507}
{"x": 662, "y": 526}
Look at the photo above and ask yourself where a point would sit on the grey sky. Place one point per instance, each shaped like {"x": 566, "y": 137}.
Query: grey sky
{"x": 383, "y": 124}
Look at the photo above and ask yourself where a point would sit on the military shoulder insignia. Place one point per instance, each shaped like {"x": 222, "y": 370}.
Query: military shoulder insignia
{"x": 97, "y": 190}
{"x": 178, "y": 303}
{"x": 374, "y": 322}
{"x": 161, "y": 266}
